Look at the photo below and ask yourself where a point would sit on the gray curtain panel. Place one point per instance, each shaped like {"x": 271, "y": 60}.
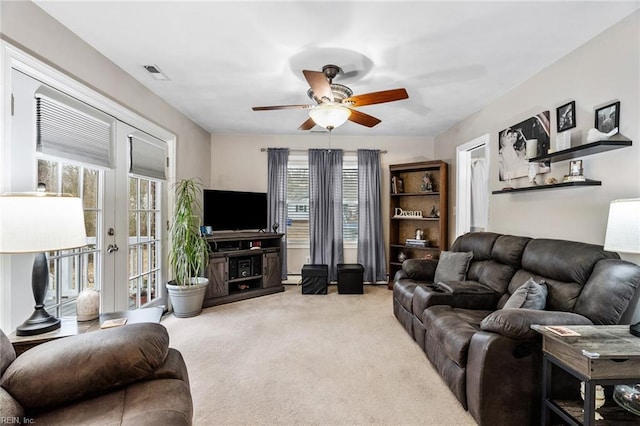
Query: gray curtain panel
{"x": 325, "y": 208}
{"x": 277, "y": 197}
{"x": 371, "y": 248}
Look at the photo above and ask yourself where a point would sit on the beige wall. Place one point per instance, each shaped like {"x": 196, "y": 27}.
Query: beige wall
{"x": 25, "y": 25}
{"x": 603, "y": 70}
{"x": 238, "y": 164}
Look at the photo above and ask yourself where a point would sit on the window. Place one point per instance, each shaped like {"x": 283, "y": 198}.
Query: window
{"x": 298, "y": 200}
{"x": 71, "y": 271}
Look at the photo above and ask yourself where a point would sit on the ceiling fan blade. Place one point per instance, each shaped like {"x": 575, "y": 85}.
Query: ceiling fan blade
{"x": 377, "y": 97}
{"x": 307, "y": 125}
{"x": 319, "y": 84}
{"x": 268, "y": 108}
{"x": 362, "y": 118}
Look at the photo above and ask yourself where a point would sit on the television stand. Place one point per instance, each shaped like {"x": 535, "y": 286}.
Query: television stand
{"x": 243, "y": 265}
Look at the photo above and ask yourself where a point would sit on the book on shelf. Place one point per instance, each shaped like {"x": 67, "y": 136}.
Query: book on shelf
{"x": 415, "y": 242}
{"x": 397, "y": 185}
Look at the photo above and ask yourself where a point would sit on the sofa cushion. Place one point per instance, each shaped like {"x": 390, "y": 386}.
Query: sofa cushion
{"x": 508, "y": 249}
{"x": 420, "y": 269}
{"x": 480, "y": 243}
{"x": 96, "y": 362}
{"x": 403, "y": 293}
{"x": 453, "y": 328}
{"x": 561, "y": 295}
{"x": 7, "y": 353}
{"x": 516, "y": 323}
{"x": 9, "y": 407}
{"x": 452, "y": 266}
{"x": 530, "y": 295}
{"x": 561, "y": 260}
{"x": 614, "y": 281}
{"x": 493, "y": 274}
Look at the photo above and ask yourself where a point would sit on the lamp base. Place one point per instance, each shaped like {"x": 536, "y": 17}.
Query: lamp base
{"x": 39, "y": 322}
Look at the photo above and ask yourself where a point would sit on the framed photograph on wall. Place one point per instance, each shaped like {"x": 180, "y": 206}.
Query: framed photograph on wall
{"x": 608, "y": 117}
{"x": 566, "y": 116}
{"x": 513, "y": 155}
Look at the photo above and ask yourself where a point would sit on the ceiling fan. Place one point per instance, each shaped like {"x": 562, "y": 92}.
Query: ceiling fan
{"x": 335, "y": 102}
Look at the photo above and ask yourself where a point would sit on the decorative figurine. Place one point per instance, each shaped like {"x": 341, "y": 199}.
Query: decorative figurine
{"x": 427, "y": 185}
{"x": 419, "y": 234}
{"x": 434, "y": 212}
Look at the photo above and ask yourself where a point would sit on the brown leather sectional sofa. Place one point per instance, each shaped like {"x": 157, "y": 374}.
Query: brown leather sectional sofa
{"x": 120, "y": 376}
{"x": 488, "y": 356}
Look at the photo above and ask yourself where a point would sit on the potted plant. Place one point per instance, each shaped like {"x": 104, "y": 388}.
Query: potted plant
{"x": 188, "y": 253}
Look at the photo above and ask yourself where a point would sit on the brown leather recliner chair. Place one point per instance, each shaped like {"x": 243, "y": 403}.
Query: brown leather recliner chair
{"x": 120, "y": 376}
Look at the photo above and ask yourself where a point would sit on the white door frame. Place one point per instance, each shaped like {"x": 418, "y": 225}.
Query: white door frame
{"x": 463, "y": 187}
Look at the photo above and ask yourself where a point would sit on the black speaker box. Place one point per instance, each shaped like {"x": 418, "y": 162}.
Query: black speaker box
{"x": 256, "y": 266}
{"x": 233, "y": 268}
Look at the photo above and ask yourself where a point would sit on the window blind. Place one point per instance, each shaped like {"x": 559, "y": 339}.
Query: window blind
{"x": 350, "y": 199}
{"x": 298, "y": 200}
{"x": 70, "y": 129}
{"x": 147, "y": 156}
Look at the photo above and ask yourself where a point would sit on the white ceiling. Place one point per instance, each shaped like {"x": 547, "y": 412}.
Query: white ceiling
{"x": 225, "y": 57}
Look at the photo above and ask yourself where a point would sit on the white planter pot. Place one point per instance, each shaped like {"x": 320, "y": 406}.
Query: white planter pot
{"x": 187, "y": 300}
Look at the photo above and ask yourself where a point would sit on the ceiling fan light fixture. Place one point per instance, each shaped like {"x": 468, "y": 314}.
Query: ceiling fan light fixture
{"x": 329, "y": 115}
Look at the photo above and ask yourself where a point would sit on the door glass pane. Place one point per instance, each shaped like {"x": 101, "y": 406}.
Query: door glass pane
{"x": 70, "y": 271}
{"x": 144, "y": 240}
{"x": 48, "y": 174}
{"x": 90, "y": 189}
{"x": 71, "y": 180}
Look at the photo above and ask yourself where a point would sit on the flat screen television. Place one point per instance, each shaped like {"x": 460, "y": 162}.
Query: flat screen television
{"x": 235, "y": 210}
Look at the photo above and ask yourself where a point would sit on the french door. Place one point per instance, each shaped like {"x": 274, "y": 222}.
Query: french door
{"x": 123, "y": 210}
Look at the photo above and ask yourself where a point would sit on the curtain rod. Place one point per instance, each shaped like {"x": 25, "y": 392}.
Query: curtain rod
{"x": 382, "y": 151}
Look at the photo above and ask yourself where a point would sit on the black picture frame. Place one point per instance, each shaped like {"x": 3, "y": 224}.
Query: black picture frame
{"x": 607, "y": 118}
{"x": 566, "y": 116}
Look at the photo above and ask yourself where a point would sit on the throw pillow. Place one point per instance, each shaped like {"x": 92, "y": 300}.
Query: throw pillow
{"x": 452, "y": 266}
{"x": 530, "y": 295}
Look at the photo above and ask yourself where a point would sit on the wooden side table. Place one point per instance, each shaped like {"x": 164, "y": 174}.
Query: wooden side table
{"x": 70, "y": 327}
{"x": 600, "y": 355}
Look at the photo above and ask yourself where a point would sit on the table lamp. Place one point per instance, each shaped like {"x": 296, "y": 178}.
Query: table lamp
{"x": 37, "y": 223}
{"x": 623, "y": 233}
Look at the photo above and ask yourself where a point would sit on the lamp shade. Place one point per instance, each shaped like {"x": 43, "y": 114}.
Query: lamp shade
{"x": 623, "y": 227}
{"x": 39, "y": 222}
{"x": 329, "y": 115}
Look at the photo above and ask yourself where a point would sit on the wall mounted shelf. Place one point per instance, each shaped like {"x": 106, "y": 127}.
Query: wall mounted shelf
{"x": 588, "y": 182}
{"x": 586, "y": 149}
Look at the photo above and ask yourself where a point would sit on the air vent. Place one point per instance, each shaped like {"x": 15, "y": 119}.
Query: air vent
{"x": 155, "y": 71}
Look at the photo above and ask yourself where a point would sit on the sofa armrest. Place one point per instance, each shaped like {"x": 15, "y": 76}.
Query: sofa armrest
{"x": 503, "y": 372}
{"x": 64, "y": 370}
{"x": 420, "y": 269}
{"x": 516, "y": 323}
{"x": 173, "y": 367}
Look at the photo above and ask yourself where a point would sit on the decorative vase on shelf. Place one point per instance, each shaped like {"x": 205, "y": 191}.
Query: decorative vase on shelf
{"x": 88, "y": 305}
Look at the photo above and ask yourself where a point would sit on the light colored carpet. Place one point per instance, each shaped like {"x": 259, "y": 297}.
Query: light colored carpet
{"x": 291, "y": 359}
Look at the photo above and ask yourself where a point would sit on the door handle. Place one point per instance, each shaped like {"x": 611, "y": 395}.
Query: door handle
{"x": 111, "y": 248}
